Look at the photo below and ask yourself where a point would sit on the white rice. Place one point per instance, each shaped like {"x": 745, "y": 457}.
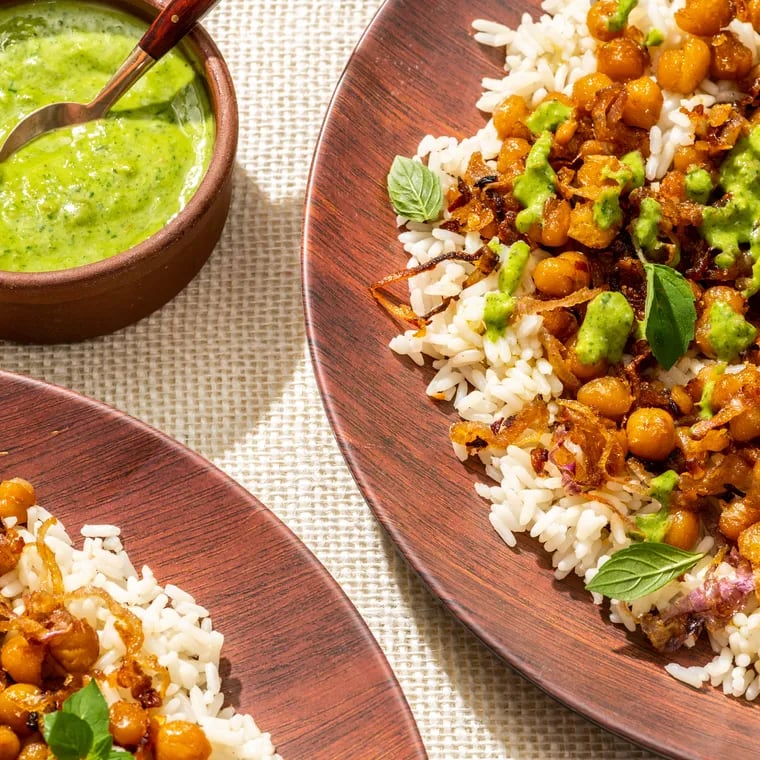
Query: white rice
{"x": 487, "y": 380}
{"x": 178, "y": 631}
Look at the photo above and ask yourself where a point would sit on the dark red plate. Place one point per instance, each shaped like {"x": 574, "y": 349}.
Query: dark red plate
{"x": 297, "y": 656}
{"x": 417, "y": 71}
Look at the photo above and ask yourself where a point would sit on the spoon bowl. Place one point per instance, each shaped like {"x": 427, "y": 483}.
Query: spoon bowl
{"x": 175, "y": 20}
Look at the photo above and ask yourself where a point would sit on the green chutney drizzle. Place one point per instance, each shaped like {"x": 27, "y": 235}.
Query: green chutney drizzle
{"x": 84, "y": 193}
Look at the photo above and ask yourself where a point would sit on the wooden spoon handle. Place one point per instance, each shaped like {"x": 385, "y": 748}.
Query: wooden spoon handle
{"x": 176, "y": 19}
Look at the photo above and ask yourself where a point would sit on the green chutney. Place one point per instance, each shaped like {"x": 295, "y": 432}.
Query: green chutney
{"x": 84, "y": 193}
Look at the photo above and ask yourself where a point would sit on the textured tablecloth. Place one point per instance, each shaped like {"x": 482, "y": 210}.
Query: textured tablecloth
{"x": 225, "y": 369}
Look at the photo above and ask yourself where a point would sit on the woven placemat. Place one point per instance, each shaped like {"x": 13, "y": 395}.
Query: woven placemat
{"x": 225, "y": 369}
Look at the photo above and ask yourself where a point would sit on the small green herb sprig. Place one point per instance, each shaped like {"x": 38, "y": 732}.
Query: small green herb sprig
{"x": 640, "y": 569}
{"x": 415, "y": 191}
{"x": 80, "y": 728}
{"x": 669, "y": 313}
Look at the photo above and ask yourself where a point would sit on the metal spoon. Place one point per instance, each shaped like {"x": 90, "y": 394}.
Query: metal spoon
{"x": 175, "y": 20}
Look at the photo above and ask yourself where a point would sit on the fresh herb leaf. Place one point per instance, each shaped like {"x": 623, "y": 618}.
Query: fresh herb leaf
{"x": 669, "y": 315}
{"x": 640, "y": 569}
{"x": 67, "y": 735}
{"x": 80, "y": 728}
{"x": 415, "y": 191}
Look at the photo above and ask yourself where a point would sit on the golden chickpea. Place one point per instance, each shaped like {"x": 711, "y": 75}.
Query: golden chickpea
{"x": 561, "y": 323}
{"x": 727, "y": 295}
{"x": 559, "y": 276}
{"x": 22, "y": 659}
{"x": 77, "y": 650}
{"x": 651, "y": 433}
{"x": 749, "y": 543}
{"x": 609, "y": 396}
{"x": 597, "y": 20}
{"x": 10, "y": 745}
{"x": 687, "y": 156}
{"x": 746, "y": 426}
{"x": 179, "y": 740}
{"x": 16, "y": 496}
{"x": 729, "y": 385}
{"x": 737, "y": 516}
{"x": 588, "y": 87}
{"x": 128, "y": 723}
{"x": 753, "y": 14}
{"x": 35, "y": 750}
{"x": 683, "y": 529}
{"x": 509, "y": 118}
{"x": 16, "y": 702}
{"x": 621, "y": 59}
{"x": 731, "y": 58}
{"x": 705, "y": 17}
{"x": 513, "y": 150}
{"x": 556, "y": 222}
{"x": 583, "y": 371}
{"x": 682, "y": 399}
{"x": 643, "y": 103}
{"x": 682, "y": 69}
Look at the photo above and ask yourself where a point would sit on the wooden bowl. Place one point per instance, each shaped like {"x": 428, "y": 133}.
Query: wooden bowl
{"x": 95, "y": 299}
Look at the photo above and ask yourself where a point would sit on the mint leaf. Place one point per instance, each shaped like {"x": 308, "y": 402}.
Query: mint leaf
{"x": 415, "y": 191}
{"x": 67, "y": 735}
{"x": 89, "y": 705}
{"x": 669, "y": 315}
{"x": 80, "y": 729}
{"x": 640, "y": 569}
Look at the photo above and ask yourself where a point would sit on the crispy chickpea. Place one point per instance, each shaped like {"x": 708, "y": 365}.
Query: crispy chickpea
{"x": 16, "y": 496}
{"x": 10, "y": 745}
{"x": 705, "y": 17}
{"x": 682, "y": 69}
{"x": 128, "y": 723}
{"x": 731, "y": 58}
{"x": 643, "y": 103}
{"x": 556, "y": 222}
{"x": 733, "y": 298}
{"x": 651, "y": 433}
{"x": 682, "y": 399}
{"x": 683, "y": 529}
{"x": 730, "y": 384}
{"x": 561, "y": 323}
{"x": 16, "y": 702}
{"x": 583, "y": 371}
{"x": 588, "y": 87}
{"x": 559, "y": 276}
{"x": 746, "y": 426}
{"x": 621, "y": 59}
{"x": 609, "y": 396}
{"x": 737, "y": 516}
{"x": 687, "y": 156}
{"x": 513, "y": 150}
{"x": 179, "y": 740}
{"x": 597, "y": 20}
{"x": 749, "y": 543}
{"x": 35, "y": 750}
{"x": 22, "y": 659}
{"x": 727, "y": 295}
{"x": 77, "y": 649}
{"x": 509, "y": 117}
{"x": 753, "y": 14}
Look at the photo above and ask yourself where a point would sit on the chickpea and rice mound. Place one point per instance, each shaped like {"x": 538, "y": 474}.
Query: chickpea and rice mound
{"x": 71, "y": 618}
{"x": 587, "y": 301}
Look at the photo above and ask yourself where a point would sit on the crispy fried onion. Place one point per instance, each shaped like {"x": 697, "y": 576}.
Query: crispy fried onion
{"x": 585, "y": 448}
{"x": 521, "y": 429}
{"x": 529, "y": 305}
{"x": 485, "y": 261}
{"x": 710, "y": 605}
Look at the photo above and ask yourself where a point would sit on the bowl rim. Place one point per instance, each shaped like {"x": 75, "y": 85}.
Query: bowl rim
{"x": 147, "y": 255}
